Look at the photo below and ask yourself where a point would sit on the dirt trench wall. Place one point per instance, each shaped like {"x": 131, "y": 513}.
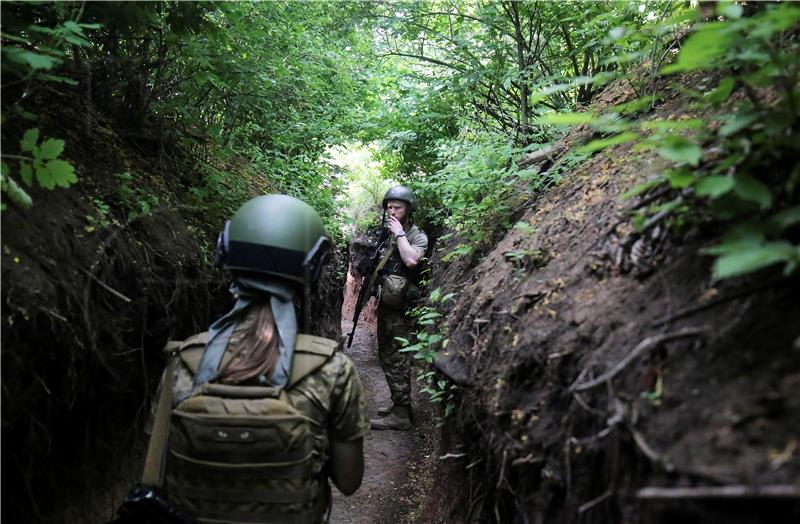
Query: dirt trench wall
{"x": 717, "y": 405}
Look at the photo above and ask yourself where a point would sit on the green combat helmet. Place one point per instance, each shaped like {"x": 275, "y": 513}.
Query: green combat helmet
{"x": 400, "y": 193}
{"x": 276, "y": 235}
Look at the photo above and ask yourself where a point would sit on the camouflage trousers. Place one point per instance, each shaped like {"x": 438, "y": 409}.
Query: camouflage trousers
{"x": 396, "y": 366}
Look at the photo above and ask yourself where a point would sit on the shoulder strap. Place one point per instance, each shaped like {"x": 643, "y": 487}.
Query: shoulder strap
{"x": 154, "y": 462}
{"x": 310, "y": 354}
{"x": 385, "y": 258}
{"x": 191, "y": 351}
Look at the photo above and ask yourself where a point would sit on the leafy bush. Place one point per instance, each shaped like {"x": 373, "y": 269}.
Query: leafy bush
{"x": 743, "y": 167}
{"x": 479, "y": 186}
{"x": 739, "y": 163}
{"x": 431, "y": 335}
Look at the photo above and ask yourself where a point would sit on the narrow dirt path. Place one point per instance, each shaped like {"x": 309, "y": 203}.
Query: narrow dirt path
{"x": 391, "y": 457}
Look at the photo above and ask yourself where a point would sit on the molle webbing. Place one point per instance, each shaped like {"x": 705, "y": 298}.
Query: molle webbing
{"x": 244, "y": 453}
{"x": 226, "y": 471}
{"x": 243, "y": 495}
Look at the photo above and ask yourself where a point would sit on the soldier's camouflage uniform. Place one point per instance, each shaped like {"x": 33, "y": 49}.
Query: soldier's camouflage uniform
{"x": 392, "y": 322}
{"x": 331, "y": 397}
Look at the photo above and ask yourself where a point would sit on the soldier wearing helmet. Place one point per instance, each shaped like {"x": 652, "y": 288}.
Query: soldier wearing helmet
{"x": 397, "y": 279}
{"x": 262, "y": 415}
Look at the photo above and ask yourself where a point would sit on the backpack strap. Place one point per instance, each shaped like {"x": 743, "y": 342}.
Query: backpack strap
{"x": 191, "y": 351}
{"x": 156, "y": 449}
{"x": 310, "y": 354}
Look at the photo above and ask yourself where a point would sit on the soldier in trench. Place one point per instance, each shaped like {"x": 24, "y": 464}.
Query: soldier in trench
{"x": 262, "y": 415}
{"x": 396, "y": 287}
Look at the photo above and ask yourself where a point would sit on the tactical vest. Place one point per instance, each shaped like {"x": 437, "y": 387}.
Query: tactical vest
{"x": 244, "y": 454}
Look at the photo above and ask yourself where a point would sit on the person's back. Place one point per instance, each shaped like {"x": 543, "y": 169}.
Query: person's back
{"x": 263, "y": 452}
{"x": 262, "y": 415}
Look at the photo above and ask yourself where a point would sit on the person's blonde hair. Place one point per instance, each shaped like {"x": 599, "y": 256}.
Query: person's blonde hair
{"x": 257, "y": 352}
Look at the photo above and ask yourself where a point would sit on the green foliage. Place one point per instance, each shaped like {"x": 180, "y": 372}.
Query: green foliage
{"x": 102, "y": 218}
{"x": 431, "y": 336}
{"x": 749, "y": 184}
{"x": 363, "y": 169}
{"x": 523, "y": 260}
{"x": 135, "y": 201}
{"x": 31, "y": 49}
{"x": 478, "y": 187}
{"x": 752, "y": 171}
{"x": 41, "y": 164}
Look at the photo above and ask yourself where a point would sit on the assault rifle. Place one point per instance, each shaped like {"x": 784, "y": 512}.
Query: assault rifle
{"x": 371, "y": 276}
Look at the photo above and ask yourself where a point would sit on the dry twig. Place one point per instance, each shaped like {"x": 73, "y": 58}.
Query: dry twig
{"x": 644, "y": 346}
{"x": 106, "y": 286}
{"x": 594, "y": 502}
{"x": 782, "y": 491}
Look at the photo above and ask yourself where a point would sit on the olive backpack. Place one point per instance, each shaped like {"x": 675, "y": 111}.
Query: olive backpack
{"x": 238, "y": 453}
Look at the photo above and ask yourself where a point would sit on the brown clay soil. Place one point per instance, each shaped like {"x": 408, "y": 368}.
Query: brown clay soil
{"x": 393, "y": 459}
{"x": 716, "y": 406}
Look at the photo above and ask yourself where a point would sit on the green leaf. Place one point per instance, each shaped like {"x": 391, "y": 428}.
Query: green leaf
{"x": 680, "y": 178}
{"x": 667, "y": 125}
{"x": 752, "y": 259}
{"x": 681, "y": 150}
{"x": 56, "y": 173}
{"x": 641, "y": 188}
{"x": 634, "y": 106}
{"x": 599, "y": 144}
{"x": 737, "y": 121}
{"x": 29, "y": 139}
{"x": 730, "y": 9}
{"x": 784, "y": 219}
{"x": 775, "y": 21}
{"x": 58, "y": 78}
{"x": 73, "y": 26}
{"x": 567, "y": 119}
{"x": 703, "y": 49}
{"x": 34, "y": 60}
{"x": 26, "y": 172}
{"x": 777, "y": 122}
{"x": 51, "y": 148}
{"x": 752, "y": 189}
{"x": 15, "y": 193}
{"x": 714, "y": 186}
{"x": 435, "y": 295}
{"x": 722, "y": 91}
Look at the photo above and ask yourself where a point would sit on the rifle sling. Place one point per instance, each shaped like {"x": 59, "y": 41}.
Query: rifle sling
{"x": 380, "y": 266}
{"x": 154, "y": 462}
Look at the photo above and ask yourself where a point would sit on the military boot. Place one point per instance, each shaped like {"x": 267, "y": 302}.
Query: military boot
{"x": 399, "y": 418}
{"x": 385, "y": 410}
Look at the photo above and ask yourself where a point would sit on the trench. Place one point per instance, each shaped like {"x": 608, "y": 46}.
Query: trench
{"x": 392, "y": 458}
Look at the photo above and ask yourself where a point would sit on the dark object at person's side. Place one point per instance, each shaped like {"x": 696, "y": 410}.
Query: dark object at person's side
{"x": 145, "y": 506}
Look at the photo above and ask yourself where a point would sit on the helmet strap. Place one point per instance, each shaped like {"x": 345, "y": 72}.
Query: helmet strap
{"x": 221, "y": 252}
{"x": 315, "y": 260}
{"x": 307, "y": 299}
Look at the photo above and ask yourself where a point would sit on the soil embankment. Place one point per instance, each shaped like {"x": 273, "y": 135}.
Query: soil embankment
{"x": 596, "y": 360}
